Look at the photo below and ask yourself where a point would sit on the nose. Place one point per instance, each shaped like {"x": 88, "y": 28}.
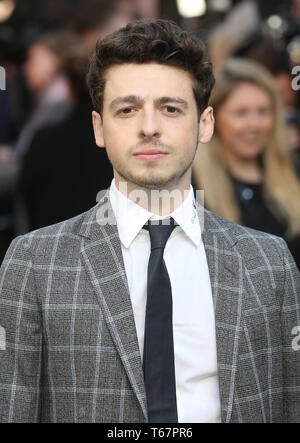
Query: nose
{"x": 254, "y": 121}
{"x": 149, "y": 124}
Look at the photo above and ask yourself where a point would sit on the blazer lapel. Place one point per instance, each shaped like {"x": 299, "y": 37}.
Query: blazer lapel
{"x": 102, "y": 257}
{"x": 225, "y": 269}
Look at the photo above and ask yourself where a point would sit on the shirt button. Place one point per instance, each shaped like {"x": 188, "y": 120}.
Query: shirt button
{"x": 247, "y": 194}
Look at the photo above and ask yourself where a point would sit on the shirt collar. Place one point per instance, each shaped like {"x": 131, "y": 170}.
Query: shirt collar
{"x": 131, "y": 217}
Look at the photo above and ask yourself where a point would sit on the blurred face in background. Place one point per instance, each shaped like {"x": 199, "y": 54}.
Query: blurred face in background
{"x": 295, "y": 8}
{"x": 244, "y": 121}
{"x": 41, "y": 67}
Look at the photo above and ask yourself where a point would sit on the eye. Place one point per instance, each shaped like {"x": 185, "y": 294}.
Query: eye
{"x": 171, "y": 109}
{"x": 125, "y": 111}
{"x": 264, "y": 111}
{"x": 240, "y": 112}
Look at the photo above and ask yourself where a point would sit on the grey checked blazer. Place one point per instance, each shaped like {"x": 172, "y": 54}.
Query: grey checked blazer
{"x": 71, "y": 352}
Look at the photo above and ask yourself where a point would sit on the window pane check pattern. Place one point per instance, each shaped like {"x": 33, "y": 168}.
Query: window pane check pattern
{"x": 72, "y": 353}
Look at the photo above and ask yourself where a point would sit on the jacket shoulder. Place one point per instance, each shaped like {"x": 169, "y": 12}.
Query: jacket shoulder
{"x": 250, "y": 243}
{"x": 266, "y": 258}
{"x": 237, "y": 230}
{"x": 41, "y": 242}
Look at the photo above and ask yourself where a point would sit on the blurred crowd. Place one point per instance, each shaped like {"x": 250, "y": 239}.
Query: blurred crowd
{"x": 50, "y": 167}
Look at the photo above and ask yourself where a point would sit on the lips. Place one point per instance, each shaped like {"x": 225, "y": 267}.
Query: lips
{"x": 150, "y": 154}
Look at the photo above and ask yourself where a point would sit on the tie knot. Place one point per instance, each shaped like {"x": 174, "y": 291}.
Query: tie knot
{"x": 160, "y": 231}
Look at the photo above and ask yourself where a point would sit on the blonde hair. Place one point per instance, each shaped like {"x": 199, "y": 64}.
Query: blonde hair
{"x": 280, "y": 185}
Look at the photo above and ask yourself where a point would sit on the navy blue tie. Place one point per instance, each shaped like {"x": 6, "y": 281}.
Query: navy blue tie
{"x": 159, "y": 370}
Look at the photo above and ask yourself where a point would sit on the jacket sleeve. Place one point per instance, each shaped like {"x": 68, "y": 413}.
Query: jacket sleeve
{"x": 20, "y": 336}
{"x": 290, "y": 331}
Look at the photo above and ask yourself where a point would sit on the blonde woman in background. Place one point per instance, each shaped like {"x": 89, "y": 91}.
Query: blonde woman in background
{"x": 246, "y": 171}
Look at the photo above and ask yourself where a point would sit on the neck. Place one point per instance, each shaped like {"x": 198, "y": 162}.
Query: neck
{"x": 161, "y": 202}
{"x": 244, "y": 169}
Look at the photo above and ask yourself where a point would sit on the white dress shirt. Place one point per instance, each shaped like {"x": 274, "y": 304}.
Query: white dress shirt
{"x": 195, "y": 355}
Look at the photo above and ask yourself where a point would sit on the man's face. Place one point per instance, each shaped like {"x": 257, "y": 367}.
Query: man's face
{"x": 150, "y": 126}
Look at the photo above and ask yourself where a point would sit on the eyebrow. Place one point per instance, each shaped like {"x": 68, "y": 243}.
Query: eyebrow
{"x": 136, "y": 100}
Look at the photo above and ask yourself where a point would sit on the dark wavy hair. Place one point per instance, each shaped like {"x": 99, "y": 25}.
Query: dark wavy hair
{"x": 159, "y": 41}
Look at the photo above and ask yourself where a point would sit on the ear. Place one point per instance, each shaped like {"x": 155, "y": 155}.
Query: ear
{"x": 98, "y": 129}
{"x": 207, "y": 123}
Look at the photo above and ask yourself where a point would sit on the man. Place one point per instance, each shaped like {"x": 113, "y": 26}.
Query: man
{"x": 113, "y": 316}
